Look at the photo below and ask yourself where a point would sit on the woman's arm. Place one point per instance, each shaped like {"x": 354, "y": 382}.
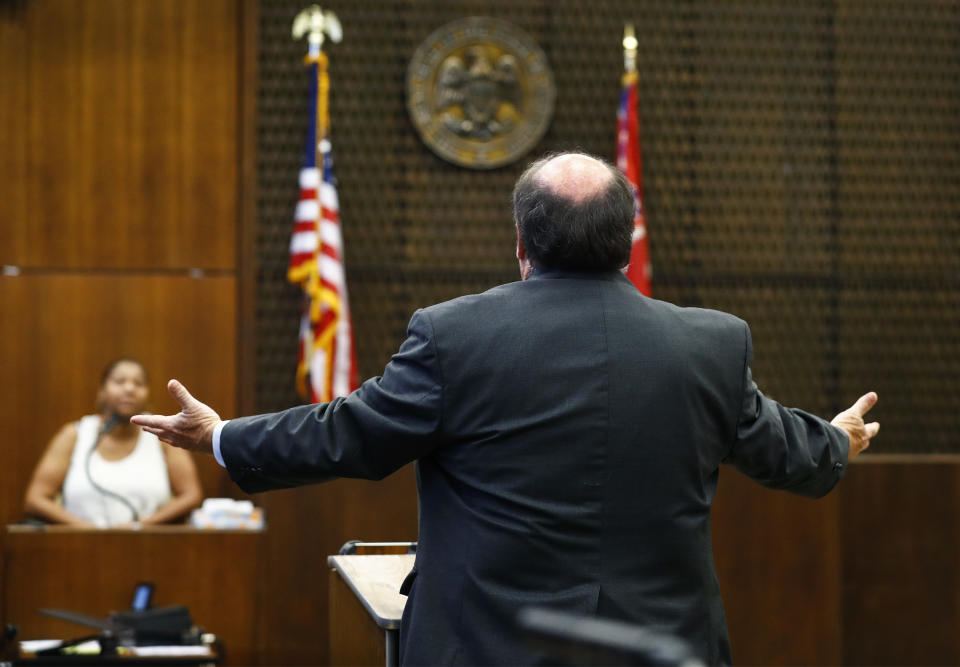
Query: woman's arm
{"x": 184, "y": 485}
{"x": 48, "y": 480}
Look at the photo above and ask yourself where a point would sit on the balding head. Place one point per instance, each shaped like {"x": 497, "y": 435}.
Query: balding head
{"x": 575, "y": 177}
{"x": 574, "y": 211}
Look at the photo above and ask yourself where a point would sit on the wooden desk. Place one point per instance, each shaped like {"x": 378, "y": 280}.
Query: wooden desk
{"x": 212, "y": 572}
{"x": 365, "y": 608}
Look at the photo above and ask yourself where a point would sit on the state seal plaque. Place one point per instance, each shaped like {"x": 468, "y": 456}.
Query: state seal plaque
{"x": 480, "y": 92}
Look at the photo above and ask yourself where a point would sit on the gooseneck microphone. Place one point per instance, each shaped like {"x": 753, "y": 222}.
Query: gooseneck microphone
{"x": 108, "y": 424}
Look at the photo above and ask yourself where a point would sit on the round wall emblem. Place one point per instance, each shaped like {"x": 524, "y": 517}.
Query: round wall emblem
{"x": 480, "y": 92}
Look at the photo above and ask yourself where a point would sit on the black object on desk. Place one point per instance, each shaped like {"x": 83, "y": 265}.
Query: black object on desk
{"x": 160, "y": 626}
{"x": 163, "y": 626}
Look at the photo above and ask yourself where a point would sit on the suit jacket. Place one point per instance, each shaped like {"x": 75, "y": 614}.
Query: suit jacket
{"x": 567, "y": 432}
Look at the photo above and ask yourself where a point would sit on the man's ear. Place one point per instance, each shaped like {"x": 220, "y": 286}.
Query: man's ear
{"x": 526, "y": 267}
{"x": 521, "y": 250}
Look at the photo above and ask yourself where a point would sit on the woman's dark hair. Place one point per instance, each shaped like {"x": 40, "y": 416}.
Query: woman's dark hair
{"x": 592, "y": 234}
{"x": 120, "y": 360}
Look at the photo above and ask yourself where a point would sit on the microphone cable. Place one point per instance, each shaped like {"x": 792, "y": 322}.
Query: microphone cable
{"x": 107, "y": 425}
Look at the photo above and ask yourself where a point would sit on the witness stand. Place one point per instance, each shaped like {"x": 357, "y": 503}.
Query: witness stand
{"x": 94, "y": 572}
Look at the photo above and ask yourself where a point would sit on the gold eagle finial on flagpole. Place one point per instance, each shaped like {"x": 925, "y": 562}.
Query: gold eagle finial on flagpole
{"x": 314, "y": 21}
{"x": 630, "y": 45}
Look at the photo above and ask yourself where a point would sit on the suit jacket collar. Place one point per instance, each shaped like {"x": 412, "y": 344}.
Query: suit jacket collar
{"x": 553, "y": 274}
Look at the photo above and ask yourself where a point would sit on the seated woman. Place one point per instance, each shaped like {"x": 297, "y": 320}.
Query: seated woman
{"x": 109, "y": 471}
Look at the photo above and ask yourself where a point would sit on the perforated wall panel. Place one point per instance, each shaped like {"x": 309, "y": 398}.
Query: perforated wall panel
{"x": 800, "y": 165}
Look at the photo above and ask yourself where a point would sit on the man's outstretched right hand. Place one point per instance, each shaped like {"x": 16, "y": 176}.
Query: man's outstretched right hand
{"x": 191, "y": 429}
{"x": 851, "y": 421}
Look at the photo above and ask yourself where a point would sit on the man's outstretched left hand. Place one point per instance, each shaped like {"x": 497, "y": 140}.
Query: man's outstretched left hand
{"x": 191, "y": 429}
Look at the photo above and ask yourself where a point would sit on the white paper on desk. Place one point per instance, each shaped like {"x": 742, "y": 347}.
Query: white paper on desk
{"x": 171, "y": 650}
{"x": 34, "y": 645}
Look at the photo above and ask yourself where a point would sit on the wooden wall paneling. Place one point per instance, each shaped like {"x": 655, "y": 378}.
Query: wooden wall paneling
{"x": 778, "y": 562}
{"x": 119, "y": 132}
{"x": 59, "y": 331}
{"x": 955, "y": 467}
{"x": 130, "y": 119}
{"x": 24, "y": 431}
{"x": 210, "y": 98}
{"x": 292, "y": 629}
{"x": 305, "y": 526}
{"x": 901, "y": 545}
{"x": 247, "y": 268}
{"x": 247, "y": 209}
{"x": 13, "y": 141}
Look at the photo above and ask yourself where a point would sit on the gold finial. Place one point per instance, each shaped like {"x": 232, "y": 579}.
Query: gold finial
{"x": 314, "y": 21}
{"x": 630, "y": 45}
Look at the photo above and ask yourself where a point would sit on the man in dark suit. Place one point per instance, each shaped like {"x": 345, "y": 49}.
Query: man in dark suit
{"x": 567, "y": 431}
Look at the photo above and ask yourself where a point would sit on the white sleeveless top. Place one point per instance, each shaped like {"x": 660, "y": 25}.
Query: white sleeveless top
{"x": 140, "y": 477}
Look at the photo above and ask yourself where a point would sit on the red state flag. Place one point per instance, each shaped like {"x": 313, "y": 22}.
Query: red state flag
{"x": 628, "y": 160}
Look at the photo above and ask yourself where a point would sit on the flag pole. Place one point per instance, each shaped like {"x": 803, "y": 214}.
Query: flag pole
{"x": 317, "y": 23}
{"x": 629, "y": 161}
{"x": 324, "y": 305}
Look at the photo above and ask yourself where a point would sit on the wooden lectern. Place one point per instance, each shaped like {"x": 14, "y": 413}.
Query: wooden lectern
{"x": 365, "y": 607}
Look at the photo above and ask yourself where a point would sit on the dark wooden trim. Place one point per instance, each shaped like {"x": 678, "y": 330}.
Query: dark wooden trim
{"x": 247, "y": 54}
{"x": 247, "y": 207}
{"x": 907, "y": 459}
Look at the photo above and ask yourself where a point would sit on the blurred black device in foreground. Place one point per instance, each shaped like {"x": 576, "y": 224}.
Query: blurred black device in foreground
{"x": 585, "y": 640}
{"x": 171, "y": 625}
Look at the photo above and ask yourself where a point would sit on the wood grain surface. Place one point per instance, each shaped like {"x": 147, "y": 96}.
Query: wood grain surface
{"x": 95, "y": 572}
{"x": 119, "y": 134}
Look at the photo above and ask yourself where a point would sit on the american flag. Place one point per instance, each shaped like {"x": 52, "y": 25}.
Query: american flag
{"x": 327, "y": 362}
{"x": 628, "y": 160}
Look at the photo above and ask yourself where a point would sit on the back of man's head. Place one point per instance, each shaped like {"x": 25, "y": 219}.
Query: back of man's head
{"x": 575, "y": 212}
